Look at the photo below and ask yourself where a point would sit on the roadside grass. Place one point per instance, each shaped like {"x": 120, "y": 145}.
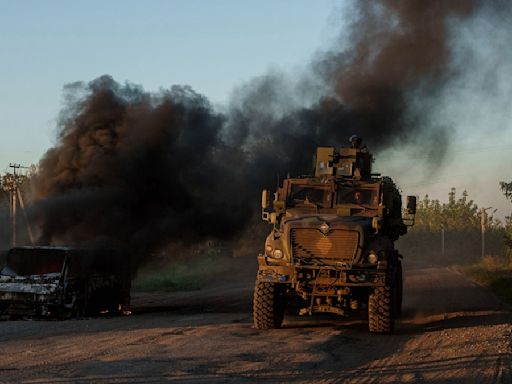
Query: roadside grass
{"x": 494, "y": 272}
{"x": 180, "y": 275}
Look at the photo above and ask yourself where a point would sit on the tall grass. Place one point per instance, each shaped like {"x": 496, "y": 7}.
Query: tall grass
{"x": 184, "y": 274}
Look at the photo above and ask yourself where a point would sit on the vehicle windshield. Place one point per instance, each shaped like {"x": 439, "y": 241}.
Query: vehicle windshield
{"x": 310, "y": 195}
{"x": 368, "y": 197}
{"x": 35, "y": 261}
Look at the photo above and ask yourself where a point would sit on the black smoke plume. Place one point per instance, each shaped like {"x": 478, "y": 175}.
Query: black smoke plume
{"x": 141, "y": 170}
{"x": 137, "y": 170}
{"x": 379, "y": 86}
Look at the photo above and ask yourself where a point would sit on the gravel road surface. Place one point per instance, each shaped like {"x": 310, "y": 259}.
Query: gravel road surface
{"x": 451, "y": 331}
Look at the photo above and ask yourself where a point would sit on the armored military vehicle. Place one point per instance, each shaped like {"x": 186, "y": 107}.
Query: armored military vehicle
{"x": 331, "y": 248}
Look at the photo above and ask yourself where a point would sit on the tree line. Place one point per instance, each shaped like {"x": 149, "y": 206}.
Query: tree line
{"x": 455, "y": 225}
{"x": 458, "y": 230}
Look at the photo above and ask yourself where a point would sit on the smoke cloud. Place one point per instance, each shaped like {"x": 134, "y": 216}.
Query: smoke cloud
{"x": 137, "y": 170}
{"x": 140, "y": 170}
{"x": 380, "y": 86}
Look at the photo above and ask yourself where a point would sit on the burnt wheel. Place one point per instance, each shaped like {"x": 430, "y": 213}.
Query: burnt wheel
{"x": 105, "y": 299}
{"x": 380, "y": 310}
{"x": 77, "y": 310}
{"x": 268, "y": 305}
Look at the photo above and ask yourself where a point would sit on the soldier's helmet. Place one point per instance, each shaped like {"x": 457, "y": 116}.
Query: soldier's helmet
{"x": 356, "y": 141}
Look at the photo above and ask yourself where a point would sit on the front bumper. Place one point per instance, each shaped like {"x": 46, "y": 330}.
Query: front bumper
{"x": 320, "y": 275}
{"x": 29, "y": 296}
{"x": 28, "y": 304}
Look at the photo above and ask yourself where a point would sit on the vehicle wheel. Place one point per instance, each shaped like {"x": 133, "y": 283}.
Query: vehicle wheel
{"x": 268, "y": 305}
{"x": 380, "y": 310}
{"x": 77, "y": 311}
{"x": 399, "y": 288}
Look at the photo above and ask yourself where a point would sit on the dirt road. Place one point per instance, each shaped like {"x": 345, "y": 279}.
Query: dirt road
{"x": 452, "y": 331}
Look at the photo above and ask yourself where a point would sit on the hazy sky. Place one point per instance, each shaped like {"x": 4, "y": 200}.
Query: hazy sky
{"x": 210, "y": 45}
{"x": 477, "y": 107}
{"x": 215, "y": 46}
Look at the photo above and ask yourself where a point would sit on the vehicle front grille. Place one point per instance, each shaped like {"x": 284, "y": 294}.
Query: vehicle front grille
{"x": 337, "y": 245}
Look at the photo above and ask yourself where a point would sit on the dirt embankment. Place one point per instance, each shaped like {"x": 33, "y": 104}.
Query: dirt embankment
{"x": 452, "y": 331}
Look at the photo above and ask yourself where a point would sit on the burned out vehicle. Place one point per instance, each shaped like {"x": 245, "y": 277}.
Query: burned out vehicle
{"x": 331, "y": 248}
{"x": 63, "y": 282}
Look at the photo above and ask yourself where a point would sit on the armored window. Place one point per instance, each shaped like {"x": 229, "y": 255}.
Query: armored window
{"x": 306, "y": 194}
{"x": 358, "y": 196}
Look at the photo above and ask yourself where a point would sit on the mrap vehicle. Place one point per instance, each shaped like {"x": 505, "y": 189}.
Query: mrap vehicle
{"x": 331, "y": 248}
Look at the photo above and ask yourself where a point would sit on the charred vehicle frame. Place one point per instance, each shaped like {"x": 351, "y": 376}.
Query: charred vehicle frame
{"x": 63, "y": 282}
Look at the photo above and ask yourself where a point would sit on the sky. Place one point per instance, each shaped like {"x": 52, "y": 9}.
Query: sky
{"x": 211, "y": 45}
{"x": 215, "y": 46}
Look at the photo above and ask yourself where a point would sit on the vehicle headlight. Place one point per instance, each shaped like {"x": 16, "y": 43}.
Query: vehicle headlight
{"x": 278, "y": 254}
{"x": 372, "y": 257}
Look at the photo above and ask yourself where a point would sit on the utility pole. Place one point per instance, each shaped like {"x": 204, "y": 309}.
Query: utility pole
{"x": 12, "y": 187}
{"x": 442, "y": 241}
{"x": 483, "y": 219}
{"x": 10, "y": 184}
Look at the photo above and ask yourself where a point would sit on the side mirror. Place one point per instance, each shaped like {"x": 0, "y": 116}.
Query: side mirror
{"x": 264, "y": 199}
{"x": 411, "y": 205}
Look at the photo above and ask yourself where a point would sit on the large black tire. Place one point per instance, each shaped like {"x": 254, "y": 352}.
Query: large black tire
{"x": 380, "y": 310}
{"x": 399, "y": 288}
{"x": 268, "y": 305}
